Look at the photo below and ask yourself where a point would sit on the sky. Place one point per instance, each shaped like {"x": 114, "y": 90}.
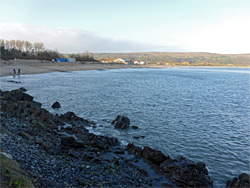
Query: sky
{"x": 75, "y": 26}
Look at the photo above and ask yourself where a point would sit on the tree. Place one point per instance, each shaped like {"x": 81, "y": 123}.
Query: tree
{"x": 28, "y": 46}
{"x": 20, "y": 45}
{"x": 7, "y": 45}
{"x": 2, "y": 42}
{"x": 39, "y": 47}
{"x": 12, "y": 44}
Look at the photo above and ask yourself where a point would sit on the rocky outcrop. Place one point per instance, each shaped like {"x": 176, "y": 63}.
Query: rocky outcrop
{"x": 71, "y": 117}
{"x": 56, "y": 105}
{"x": 121, "y": 122}
{"x": 243, "y": 181}
{"x": 50, "y": 135}
{"x": 59, "y": 150}
{"x": 183, "y": 172}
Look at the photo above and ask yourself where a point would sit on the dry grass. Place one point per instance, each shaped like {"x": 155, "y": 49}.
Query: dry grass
{"x": 12, "y": 175}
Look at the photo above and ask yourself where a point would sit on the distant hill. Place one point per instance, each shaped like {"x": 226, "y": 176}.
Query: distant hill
{"x": 188, "y": 58}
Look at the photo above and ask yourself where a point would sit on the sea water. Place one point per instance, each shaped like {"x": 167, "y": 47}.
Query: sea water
{"x": 200, "y": 113}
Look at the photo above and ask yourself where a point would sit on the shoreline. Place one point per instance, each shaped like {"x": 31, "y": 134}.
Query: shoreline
{"x": 32, "y": 132}
{"x": 37, "y": 67}
{"x": 42, "y": 142}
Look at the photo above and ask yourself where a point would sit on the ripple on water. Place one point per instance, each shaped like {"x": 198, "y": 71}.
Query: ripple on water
{"x": 201, "y": 113}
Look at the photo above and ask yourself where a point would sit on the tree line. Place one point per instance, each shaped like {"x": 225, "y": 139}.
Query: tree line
{"x": 21, "y": 49}
{"x": 10, "y": 49}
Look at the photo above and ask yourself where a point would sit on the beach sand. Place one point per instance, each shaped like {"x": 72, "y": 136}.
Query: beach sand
{"x": 37, "y": 67}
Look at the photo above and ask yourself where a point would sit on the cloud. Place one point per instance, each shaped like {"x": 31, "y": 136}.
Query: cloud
{"x": 230, "y": 36}
{"x": 68, "y": 40}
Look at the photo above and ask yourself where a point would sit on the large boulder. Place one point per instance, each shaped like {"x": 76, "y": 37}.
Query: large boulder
{"x": 186, "y": 173}
{"x": 121, "y": 122}
{"x": 17, "y": 95}
{"x": 154, "y": 156}
{"x": 242, "y": 181}
{"x": 71, "y": 117}
{"x": 56, "y": 105}
{"x": 137, "y": 151}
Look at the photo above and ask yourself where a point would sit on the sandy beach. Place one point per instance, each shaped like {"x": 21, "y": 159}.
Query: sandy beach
{"x": 37, "y": 67}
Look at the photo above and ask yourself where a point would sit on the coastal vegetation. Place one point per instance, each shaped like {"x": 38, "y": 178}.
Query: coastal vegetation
{"x": 182, "y": 59}
{"x": 11, "y": 49}
{"x": 21, "y": 49}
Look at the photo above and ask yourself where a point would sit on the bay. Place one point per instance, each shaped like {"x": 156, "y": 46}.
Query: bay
{"x": 200, "y": 113}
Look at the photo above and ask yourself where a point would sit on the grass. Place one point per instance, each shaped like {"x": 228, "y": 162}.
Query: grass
{"x": 12, "y": 176}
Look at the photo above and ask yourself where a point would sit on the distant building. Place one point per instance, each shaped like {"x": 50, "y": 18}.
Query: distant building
{"x": 123, "y": 60}
{"x": 66, "y": 59}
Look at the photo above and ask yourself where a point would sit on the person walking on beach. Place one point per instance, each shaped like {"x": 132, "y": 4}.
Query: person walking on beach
{"x": 14, "y": 71}
{"x": 19, "y": 71}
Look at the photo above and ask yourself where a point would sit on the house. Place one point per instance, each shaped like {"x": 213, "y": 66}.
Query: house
{"x": 123, "y": 60}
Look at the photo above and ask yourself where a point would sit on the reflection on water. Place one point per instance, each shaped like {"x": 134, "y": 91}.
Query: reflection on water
{"x": 201, "y": 113}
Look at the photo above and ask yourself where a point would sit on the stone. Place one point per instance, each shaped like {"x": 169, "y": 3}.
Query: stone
{"x": 71, "y": 117}
{"x": 121, "y": 122}
{"x": 134, "y": 127}
{"x": 112, "y": 141}
{"x": 243, "y": 181}
{"x": 186, "y": 173}
{"x": 153, "y": 155}
{"x": 137, "y": 151}
{"x": 23, "y": 89}
{"x": 18, "y": 95}
{"x": 24, "y": 135}
{"x": 71, "y": 142}
{"x": 136, "y": 137}
{"x": 56, "y": 105}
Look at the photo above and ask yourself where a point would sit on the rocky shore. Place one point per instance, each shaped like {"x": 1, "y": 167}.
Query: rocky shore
{"x": 59, "y": 151}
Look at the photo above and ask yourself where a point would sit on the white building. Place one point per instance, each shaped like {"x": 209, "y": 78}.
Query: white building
{"x": 122, "y": 60}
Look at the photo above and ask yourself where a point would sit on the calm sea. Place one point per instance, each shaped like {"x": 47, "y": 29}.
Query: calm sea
{"x": 200, "y": 113}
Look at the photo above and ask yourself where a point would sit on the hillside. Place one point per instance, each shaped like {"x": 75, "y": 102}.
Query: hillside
{"x": 192, "y": 58}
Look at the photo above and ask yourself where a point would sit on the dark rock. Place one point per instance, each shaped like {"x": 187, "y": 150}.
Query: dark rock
{"x": 136, "y": 137}
{"x": 131, "y": 148}
{"x": 71, "y": 117}
{"x": 244, "y": 177}
{"x": 12, "y": 81}
{"x": 153, "y": 155}
{"x": 121, "y": 122}
{"x": 71, "y": 142}
{"x": 25, "y": 135}
{"x": 119, "y": 151}
{"x": 186, "y": 173}
{"x": 73, "y": 153}
{"x": 112, "y": 141}
{"x": 18, "y": 95}
{"x": 96, "y": 160}
{"x": 23, "y": 89}
{"x": 48, "y": 149}
{"x": 242, "y": 181}
{"x": 87, "y": 157}
{"x": 56, "y": 105}
{"x": 134, "y": 127}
